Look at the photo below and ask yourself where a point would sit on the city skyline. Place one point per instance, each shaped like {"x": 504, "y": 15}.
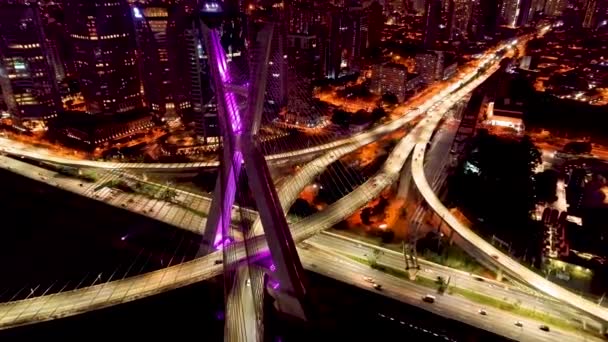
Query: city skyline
{"x": 439, "y": 165}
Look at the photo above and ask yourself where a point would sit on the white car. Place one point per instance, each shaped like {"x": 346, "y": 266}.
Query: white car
{"x": 368, "y": 279}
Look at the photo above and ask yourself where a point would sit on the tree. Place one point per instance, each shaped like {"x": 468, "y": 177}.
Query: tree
{"x": 302, "y": 208}
{"x": 169, "y": 195}
{"x": 380, "y": 207}
{"x": 341, "y": 118}
{"x": 501, "y": 191}
{"x": 387, "y": 236}
{"x": 378, "y": 113}
{"x": 546, "y": 183}
{"x": 366, "y": 214}
{"x": 390, "y": 98}
{"x": 372, "y": 257}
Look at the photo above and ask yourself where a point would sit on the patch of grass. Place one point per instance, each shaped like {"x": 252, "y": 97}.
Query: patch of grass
{"x": 109, "y": 184}
{"x": 85, "y": 175}
{"x": 194, "y": 211}
{"x": 456, "y": 258}
{"x": 483, "y": 299}
{"x": 392, "y": 271}
{"x": 426, "y": 282}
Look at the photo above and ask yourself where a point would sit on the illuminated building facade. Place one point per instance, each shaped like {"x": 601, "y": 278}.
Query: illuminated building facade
{"x": 432, "y": 20}
{"x": 346, "y": 42}
{"x": 484, "y": 19}
{"x": 590, "y": 14}
{"x": 27, "y": 77}
{"x": 460, "y": 17}
{"x": 105, "y": 54}
{"x": 555, "y": 7}
{"x": 390, "y": 78}
{"x": 151, "y": 24}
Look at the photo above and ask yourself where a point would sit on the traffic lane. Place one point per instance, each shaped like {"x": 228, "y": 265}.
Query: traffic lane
{"x": 448, "y": 306}
{"x": 457, "y": 278}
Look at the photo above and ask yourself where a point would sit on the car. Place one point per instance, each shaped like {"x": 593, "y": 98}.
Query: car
{"x": 80, "y": 185}
{"x": 495, "y": 256}
{"x": 482, "y": 312}
{"x": 368, "y": 279}
{"x": 217, "y": 262}
{"x": 428, "y": 298}
{"x": 544, "y": 328}
{"x": 378, "y": 287}
{"x": 519, "y": 324}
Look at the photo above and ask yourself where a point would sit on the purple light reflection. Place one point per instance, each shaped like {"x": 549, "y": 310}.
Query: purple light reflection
{"x": 274, "y": 284}
{"x": 237, "y": 158}
{"x": 224, "y": 222}
{"x": 233, "y": 111}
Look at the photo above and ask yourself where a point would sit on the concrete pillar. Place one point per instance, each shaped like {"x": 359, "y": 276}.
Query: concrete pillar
{"x": 451, "y": 237}
{"x": 499, "y": 275}
{"x": 405, "y": 182}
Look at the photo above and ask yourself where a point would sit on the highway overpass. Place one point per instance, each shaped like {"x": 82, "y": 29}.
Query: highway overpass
{"x": 484, "y": 251}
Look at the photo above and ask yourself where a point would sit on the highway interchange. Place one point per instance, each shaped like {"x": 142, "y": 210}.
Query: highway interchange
{"x": 67, "y": 303}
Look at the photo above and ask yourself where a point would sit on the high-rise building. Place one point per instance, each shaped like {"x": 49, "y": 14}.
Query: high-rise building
{"x": 538, "y": 5}
{"x": 555, "y": 7}
{"x": 151, "y": 24}
{"x": 275, "y": 12}
{"x": 435, "y": 66}
{"x": 196, "y": 95}
{"x": 332, "y": 45}
{"x": 509, "y": 11}
{"x": 590, "y": 10}
{"x": 459, "y": 18}
{"x": 375, "y": 25}
{"x": 56, "y": 46}
{"x": 276, "y": 86}
{"x": 193, "y": 93}
{"x": 27, "y": 78}
{"x": 484, "y": 18}
{"x": 104, "y": 53}
{"x": 432, "y": 20}
{"x": 346, "y": 41}
{"x": 525, "y": 13}
{"x": 389, "y": 78}
{"x": 426, "y": 66}
{"x": 419, "y": 6}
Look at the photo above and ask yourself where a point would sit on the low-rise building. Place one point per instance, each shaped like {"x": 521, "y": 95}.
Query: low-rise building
{"x": 394, "y": 79}
{"x": 88, "y": 131}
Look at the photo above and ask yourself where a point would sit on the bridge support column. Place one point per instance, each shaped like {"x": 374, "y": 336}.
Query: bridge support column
{"x": 240, "y": 145}
{"x": 499, "y": 275}
{"x": 451, "y": 237}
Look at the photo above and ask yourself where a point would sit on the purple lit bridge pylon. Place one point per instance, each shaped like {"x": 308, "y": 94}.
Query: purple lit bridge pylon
{"x": 240, "y": 149}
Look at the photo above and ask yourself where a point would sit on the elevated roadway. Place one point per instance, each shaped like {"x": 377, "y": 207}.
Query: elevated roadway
{"x": 336, "y": 266}
{"x": 103, "y": 295}
{"x": 484, "y": 251}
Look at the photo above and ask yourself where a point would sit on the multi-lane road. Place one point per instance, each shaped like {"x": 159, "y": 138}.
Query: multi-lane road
{"x": 478, "y": 247}
{"x": 120, "y": 291}
{"x": 431, "y": 271}
{"x": 73, "y": 302}
{"x": 334, "y": 265}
